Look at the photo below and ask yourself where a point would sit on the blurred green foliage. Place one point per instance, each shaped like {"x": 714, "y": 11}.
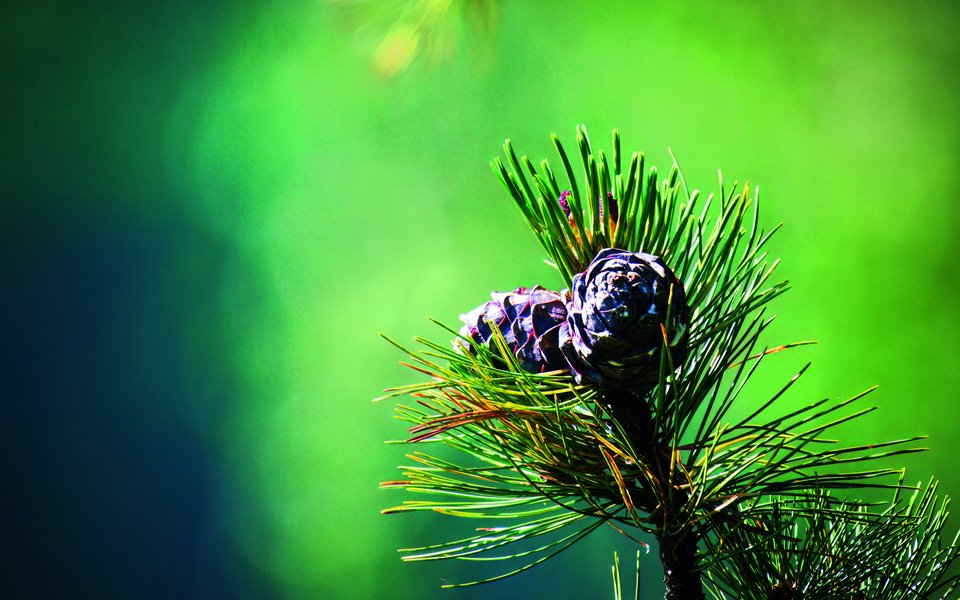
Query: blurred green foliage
{"x": 211, "y": 210}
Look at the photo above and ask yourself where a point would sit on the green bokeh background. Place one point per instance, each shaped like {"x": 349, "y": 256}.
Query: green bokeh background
{"x": 211, "y": 209}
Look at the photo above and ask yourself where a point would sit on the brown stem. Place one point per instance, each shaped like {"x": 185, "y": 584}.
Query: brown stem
{"x": 679, "y": 558}
{"x": 678, "y": 549}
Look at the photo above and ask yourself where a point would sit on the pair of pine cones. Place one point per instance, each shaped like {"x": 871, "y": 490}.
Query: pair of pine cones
{"x": 609, "y": 329}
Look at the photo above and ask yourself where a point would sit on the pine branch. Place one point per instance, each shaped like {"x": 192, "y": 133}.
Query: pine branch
{"x": 556, "y": 455}
{"x": 820, "y": 547}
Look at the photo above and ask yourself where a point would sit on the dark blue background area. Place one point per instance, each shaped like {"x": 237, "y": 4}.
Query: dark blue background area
{"x": 109, "y": 490}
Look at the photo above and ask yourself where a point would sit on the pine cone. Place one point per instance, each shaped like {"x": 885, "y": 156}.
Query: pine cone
{"x": 612, "y": 334}
{"x": 529, "y": 321}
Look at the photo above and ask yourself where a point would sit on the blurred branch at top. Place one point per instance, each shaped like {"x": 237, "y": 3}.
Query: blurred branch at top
{"x": 396, "y": 32}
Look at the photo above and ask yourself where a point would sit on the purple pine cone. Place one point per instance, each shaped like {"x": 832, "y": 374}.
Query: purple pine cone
{"x": 612, "y": 335}
{"x": 530, "y": 322}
